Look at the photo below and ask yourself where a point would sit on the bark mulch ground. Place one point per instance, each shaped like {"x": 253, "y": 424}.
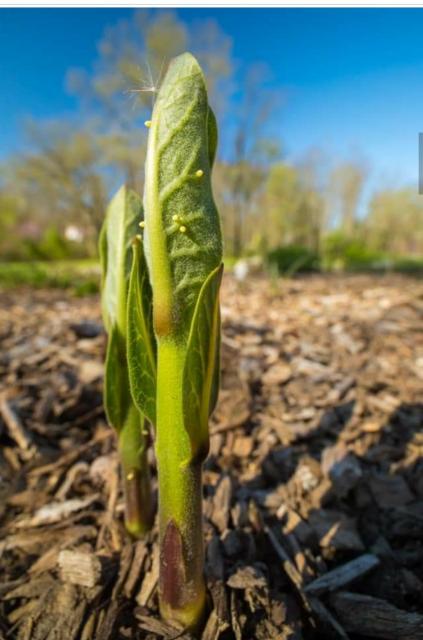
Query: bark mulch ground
{"x": 313, "y": 492}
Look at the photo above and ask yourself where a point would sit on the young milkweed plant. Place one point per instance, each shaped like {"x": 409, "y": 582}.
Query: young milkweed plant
{"x": 117, "y": 235}
{"x": 173, "y": 323}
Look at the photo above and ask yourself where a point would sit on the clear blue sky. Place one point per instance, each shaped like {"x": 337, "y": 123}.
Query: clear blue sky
{"x": 353, "y": 77}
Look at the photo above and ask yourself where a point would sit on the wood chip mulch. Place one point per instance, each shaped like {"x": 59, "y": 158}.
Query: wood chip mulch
{"x": 313, "y": 489}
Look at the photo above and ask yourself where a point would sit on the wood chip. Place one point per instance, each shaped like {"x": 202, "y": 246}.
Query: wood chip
{"x": 336, "y": 530}
{"x": 149, "y": 582}
{"x": 214, "y": 627}
{"x": 136, "y": 568}
{"x": 247, "y": 578}
{"x": 390, "y": 491}
{"x": 14, "y": 424}
{"x": 56, "y": 511}
{"x": 343, "y": 575}
{"x": 79, "y": 567}
{"x": 221, "y": 504}
{"x": 342, "y": 467}
{"x": 107, "y": 628}
{"x": 371, "y": 617}
{"x": 277, "y": 374}
{"x": 159, "y": 627}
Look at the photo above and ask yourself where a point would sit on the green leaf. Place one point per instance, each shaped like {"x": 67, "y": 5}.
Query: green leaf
{"x": 119, "y": 229}
{"x": 141, "y": 342}
{"x": 117, "y": 398}
{"x": 201, "y": 370}
{"x": 183, "y": 235}
{"x": 121, "y": 225}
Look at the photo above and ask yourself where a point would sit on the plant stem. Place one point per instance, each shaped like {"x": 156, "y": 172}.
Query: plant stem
{"x": 182, "y": 587}
{"x": 139, "y": 512}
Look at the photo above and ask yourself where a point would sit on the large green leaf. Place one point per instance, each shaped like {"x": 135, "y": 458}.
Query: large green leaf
{"x": 119, "y": 229}
{"x": 201, "y": 371}
{"x": 141, "y": 344}
{"x": 183, "y": 236}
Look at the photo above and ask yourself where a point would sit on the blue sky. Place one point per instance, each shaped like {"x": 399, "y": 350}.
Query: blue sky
{"x": 353, "y": 78}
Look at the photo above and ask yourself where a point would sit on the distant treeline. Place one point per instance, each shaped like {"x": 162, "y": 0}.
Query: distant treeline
{"x": 308, "y": 216}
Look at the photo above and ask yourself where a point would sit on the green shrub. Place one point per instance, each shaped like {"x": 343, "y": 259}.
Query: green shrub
{"x": 292, "y": 259}
{"x": 343, "y": 253}
{"x": 408, "y": 265}
{"x": 54, "y": 246}
{"x": 51, "y": 246}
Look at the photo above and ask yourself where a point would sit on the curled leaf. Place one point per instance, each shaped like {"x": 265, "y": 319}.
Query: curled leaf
{"x": 183, "y": 236}
{"x": 201, "y": 371}
{"x": 117, "y": 398}
{"x": 141, "y": 342}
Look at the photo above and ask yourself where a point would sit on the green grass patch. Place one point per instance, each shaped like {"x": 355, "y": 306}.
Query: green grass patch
{"x": 81, "y": 277}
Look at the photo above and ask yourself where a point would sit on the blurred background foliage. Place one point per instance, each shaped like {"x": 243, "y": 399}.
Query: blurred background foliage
{"x": 302, "y": 217}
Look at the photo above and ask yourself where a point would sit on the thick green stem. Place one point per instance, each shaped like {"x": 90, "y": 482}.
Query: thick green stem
{"x": 139, "y": 511}
{"x": 182, "y": 587}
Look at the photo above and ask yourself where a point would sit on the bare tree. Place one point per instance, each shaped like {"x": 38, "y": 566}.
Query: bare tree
{"x": 346, "y": 186}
